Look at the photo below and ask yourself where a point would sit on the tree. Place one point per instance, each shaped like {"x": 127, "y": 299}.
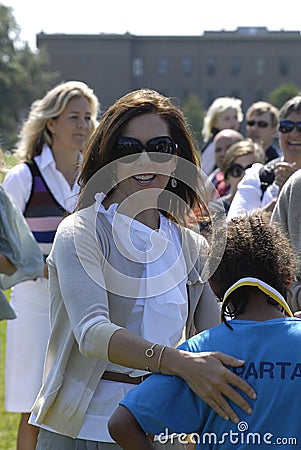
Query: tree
{"x": 24, "y": 77}
{"x": 194, "y": 112}
{"x": 283, "y": 93}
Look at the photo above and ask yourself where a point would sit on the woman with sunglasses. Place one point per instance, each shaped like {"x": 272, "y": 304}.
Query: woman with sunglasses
{"x": 261, "y": 185}
{"x": 127, "y": 280}
{"x": 239, "y": 157}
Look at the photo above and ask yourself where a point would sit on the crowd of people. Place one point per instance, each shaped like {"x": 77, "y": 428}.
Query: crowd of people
{"x": 116, "y": 293}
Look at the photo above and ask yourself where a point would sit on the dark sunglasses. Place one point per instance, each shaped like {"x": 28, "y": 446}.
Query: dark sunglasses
{"x": 236, "y": 170}
{"x": 159, "y": 149}
{"x": 259, "y": 123}
{"x": 286, "y": 126}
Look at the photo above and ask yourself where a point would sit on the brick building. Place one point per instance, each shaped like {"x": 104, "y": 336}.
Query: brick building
{"x": 247, "y": 63}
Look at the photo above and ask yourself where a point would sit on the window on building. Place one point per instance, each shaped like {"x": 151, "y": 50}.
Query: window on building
{"x": 84, "y": 60}
{"x": 259, "y": 66}
{"x": 162, "y": 66}
{"x": 235, "y": 66}
{"x": 284, "y": 67}
{"x": 211, "y": 66}
{"x": 187, "y": 66}
{"x": 137, "y": 67}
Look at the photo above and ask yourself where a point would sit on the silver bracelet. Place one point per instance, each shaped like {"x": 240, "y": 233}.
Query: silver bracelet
{"x": 149, "y": 353}
{"x": 160, "y": 357}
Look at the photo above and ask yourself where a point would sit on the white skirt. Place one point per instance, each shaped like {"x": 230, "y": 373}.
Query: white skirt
{"x": 26, "y": 343}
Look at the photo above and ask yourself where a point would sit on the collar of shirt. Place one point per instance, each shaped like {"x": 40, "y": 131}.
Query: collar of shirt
{"x": 46, "y": 158}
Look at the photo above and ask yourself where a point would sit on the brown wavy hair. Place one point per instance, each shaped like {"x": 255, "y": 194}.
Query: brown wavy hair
{"x": 98, "y": 153}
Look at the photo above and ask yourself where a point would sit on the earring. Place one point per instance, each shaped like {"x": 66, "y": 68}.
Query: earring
{"x": 173, "y": 181}
{"x": 113, "y": 180}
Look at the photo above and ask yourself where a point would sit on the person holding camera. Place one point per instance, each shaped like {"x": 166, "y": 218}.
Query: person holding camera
{"x": 262, "y": 183}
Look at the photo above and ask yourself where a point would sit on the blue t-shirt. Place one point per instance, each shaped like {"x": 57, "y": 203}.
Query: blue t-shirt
{"x": 272, "y": 350}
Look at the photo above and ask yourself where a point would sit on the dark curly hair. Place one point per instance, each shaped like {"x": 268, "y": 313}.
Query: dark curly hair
{"x": 254, "y": 248}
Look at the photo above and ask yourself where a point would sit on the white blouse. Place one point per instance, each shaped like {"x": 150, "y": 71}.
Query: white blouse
{"x": 160, "y": 312}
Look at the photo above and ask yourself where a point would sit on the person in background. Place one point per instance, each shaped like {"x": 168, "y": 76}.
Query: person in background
{"x": 252, "y": 281}
{"x": 222, "y": 141}
{"x": 224, "y": 112}
{"x": 261, "y": 185}
{"x": 287, "y": 215}
{"x": 20, "y": 256}
{"x": 239, "y": 157}
{"x": 138, "y": 278}
{"x": 262, "y": 120}
{"x": 44, "y": 187}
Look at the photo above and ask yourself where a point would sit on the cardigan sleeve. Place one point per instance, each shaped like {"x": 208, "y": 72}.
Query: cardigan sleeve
{"x": 207, "y": 313}
{"x": 77, "y": 281}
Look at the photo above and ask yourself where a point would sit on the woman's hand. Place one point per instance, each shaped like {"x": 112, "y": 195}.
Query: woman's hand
{"x": 207, "y": 375}
{"x": 283, "y": 171}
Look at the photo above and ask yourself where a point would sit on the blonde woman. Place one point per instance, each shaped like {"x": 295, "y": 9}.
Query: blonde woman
{"x": 44, "y": 186}
{"x": 224, "y": 112}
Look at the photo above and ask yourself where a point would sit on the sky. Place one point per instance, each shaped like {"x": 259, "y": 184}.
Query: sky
{"x": 152, "y": 17}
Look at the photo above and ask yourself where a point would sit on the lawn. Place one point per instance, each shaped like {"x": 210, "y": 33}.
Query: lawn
{"x": 8, "y": 421}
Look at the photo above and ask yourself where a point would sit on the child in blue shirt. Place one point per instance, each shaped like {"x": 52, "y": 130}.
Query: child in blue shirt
{"x": 252, "y": 279}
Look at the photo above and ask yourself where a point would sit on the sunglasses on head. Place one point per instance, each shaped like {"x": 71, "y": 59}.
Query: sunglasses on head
{"x": 236, "y": 170}
{"x": 159, "y": 149}
{"x": 287, "y": 126}
{"x": 259, "y": 123}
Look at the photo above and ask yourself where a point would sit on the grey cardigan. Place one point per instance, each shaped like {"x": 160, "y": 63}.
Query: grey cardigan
{"x": 85, "y": 266}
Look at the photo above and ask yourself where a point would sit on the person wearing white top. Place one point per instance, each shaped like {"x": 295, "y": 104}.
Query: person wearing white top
{"x": 249, "y": 195}
{"x": 51, "y": 140}
{"x": 128, "y": 280}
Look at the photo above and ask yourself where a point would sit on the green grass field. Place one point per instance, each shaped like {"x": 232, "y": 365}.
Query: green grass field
{"x": 8, "y": 421}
